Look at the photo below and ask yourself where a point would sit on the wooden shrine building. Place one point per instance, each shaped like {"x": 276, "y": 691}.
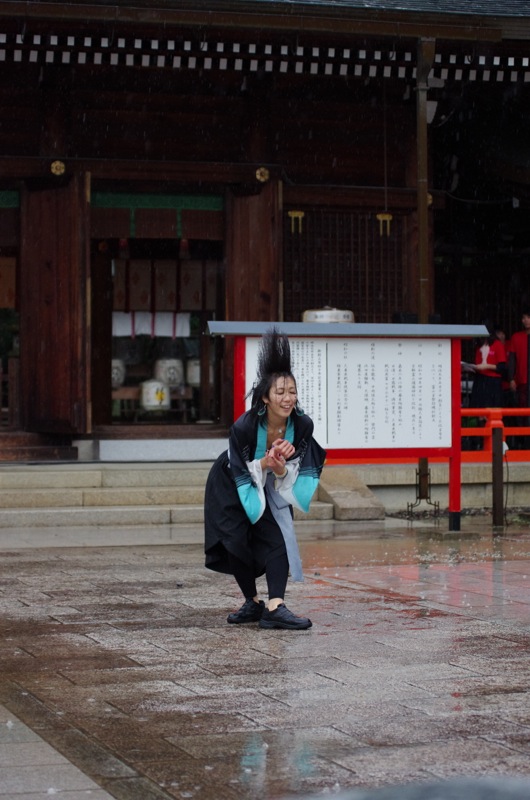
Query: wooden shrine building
{"x": 166, "y": 163}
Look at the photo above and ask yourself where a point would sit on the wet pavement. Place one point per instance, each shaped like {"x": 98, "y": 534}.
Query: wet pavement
{"x": 117, "y": 659}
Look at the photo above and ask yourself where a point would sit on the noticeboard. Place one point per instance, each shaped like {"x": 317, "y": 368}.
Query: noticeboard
{"x": 372, "y": 390}
{"x": 390, "y": 393}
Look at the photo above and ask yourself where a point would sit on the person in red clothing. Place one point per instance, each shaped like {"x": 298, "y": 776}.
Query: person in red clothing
{"x": 490, "y": 368}
{"x": 518, "y": 360}
{"x": 518, "y": 354}
{"x": 508, "y": 394}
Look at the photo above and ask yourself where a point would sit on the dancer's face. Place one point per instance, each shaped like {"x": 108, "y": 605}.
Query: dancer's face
{"x": 282, "y": 397}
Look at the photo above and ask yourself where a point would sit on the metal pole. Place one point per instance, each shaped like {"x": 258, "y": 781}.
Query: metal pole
{"x": 423, "y": 479}
{"x": 497, "y": 483}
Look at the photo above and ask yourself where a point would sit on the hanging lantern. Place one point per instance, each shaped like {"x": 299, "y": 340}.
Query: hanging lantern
{"x": 296, "y": 218}
{"x": 385, "y": 220}
{"x": 384, "y": 217}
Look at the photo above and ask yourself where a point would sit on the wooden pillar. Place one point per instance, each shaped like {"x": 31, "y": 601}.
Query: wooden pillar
{"x": 253, "y": 267}
{"x": 253, "y": 254}
{"x": 426, "y": 51}
{"x": 55, "y": 306}
{"x": 253, "y": 233}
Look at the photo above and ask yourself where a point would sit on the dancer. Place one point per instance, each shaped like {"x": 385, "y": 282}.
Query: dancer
{"x": 272, "y": 464}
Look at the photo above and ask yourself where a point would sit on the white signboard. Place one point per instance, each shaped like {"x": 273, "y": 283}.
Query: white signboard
{"x": 371, "y": 393}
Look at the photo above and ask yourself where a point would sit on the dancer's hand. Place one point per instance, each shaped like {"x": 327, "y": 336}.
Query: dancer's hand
{"x": 276, "y": 457}
{"x": 274, "y": 460}
{"x": 283, "y": 448}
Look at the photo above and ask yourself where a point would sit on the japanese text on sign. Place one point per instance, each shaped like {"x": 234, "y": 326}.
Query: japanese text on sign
{"x": 372, "y": 393}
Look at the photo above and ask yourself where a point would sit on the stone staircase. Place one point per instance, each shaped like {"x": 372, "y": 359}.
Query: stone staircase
{"x": 99, "y": 494}
{"x": 88, "y": 494}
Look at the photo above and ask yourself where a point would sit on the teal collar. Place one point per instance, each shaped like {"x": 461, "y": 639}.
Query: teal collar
{"x": 261, "y": 444}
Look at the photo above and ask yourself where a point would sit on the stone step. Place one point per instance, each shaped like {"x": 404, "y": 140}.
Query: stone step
{"x": 50, "y": 476}
{"x": 350, "y": 497}
{"x": 78, "y": 497}
{"x": 318, "y": 511}
{"x": 175, "y": 475}
{"x": 88, "y": 517}
{"x": 84, "y": 516}
{"x": 95, "y": 494}
{"x": 152, "y": 496}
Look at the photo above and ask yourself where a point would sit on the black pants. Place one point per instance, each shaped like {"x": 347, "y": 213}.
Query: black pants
{"x": 276, "y": 574}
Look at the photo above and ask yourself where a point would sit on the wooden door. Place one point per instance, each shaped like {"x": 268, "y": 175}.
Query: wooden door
{"x": 253, "y": 254}
{"x": 54, "y": 308}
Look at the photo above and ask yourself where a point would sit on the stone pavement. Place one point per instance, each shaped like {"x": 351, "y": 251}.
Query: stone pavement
{"x": 119, "y": 677}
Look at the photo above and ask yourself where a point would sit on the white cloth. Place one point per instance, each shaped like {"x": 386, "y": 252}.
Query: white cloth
{"x": 161, "y": 323}
{"x": 281, "y": 512}
{"x": 284, "y": 486}
{"x": 278, "y": 493}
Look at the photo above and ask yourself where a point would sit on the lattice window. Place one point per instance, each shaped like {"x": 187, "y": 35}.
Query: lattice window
{"x": 344, "y": 260}
{"x": 484, "y": 288}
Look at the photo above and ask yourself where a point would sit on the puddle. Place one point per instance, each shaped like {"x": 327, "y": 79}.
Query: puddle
{"x": 409, "y": 545}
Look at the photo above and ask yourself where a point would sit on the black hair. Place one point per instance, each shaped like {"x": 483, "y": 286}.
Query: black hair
{"x": 492, "y": 332}
{"x": 274, "y": 361}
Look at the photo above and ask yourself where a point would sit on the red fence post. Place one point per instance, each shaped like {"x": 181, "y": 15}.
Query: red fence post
{"x": 497, "y": 482}
{"x": 455, "y": 458}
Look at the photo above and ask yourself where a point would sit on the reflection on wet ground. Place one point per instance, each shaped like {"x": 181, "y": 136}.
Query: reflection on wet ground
{"x": 417, "y": 666}
{"x": 400, "y": 542}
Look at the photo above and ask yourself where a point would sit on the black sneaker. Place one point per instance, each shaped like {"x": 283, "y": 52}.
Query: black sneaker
{"x": 283, "y": 618}
{"x": 250, "y": 611}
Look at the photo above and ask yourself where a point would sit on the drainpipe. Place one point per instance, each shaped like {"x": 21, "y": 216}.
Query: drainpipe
{"x": 426, "y": 51}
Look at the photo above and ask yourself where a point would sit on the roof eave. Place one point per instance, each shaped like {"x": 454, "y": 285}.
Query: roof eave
{"x": 274, "y": 18}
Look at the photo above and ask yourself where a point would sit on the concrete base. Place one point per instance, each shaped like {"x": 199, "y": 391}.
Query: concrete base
{"x": 351, "y": 498}
{"x": 130, "y": 450}
{"x": 394, "y": 485}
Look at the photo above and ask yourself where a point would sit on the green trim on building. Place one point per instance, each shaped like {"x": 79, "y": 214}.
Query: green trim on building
{"x": 10, "y": 199}
{"x": 176, "y": 201}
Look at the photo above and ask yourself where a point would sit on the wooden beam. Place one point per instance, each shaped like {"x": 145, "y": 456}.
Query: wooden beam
{"x": 363, "y": 197}
{"x": 212, "y": 173}
{"x": 325, "y": 19}
{"x": 19, "y": 168}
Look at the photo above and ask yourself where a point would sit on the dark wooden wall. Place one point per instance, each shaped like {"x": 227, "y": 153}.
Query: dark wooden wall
{"x": 342, "y": 149}
{"x": 55, "y": 367}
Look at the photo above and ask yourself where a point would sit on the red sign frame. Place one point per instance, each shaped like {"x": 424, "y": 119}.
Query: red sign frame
{"x": 453, "y": 453}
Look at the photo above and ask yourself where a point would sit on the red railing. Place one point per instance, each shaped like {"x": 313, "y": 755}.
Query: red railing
{"x": 482, "y": 434}
{"x": 491, "y": 419}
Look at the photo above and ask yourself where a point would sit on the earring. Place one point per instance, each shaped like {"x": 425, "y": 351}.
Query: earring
{"x": 262, "y": 410}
